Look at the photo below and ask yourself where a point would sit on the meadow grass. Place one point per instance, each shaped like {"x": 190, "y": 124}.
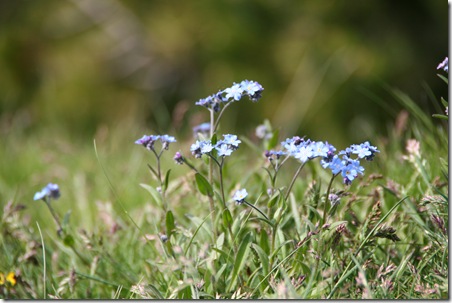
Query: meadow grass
{"x": 129, "y": 234}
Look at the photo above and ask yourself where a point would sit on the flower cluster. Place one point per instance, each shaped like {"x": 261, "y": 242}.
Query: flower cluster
{"x": 223, "y": 147}
{"x": 305, "y": 150}
{"x": 148, "y": 141}
{"x": 343, "y": 163}
{"x": 348, "y": 167}
{"x": 51, "y": 191}
{"x": 252, "y": 89}
{"x": 444, "y": 65}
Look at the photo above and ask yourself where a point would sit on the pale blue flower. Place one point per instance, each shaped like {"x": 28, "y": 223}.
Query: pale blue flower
{"x": 231, "y": 140}
{"x": 235, "y": 92}
{"x": 223, "y": 150}
{"x": 240, "y": 196}
{"x": 304, "y": 153}
{"x": 50, "y": 191}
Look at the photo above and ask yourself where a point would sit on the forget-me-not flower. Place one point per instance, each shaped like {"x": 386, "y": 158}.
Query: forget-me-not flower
{"x": 51, "y": 191}
{"x": 240, "y": 196}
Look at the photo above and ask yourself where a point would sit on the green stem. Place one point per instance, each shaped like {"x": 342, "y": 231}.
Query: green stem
{"x": 219, "y": 117}
{"x": 293, "y": 180}
{"x": 327, "y": 202}
{"x": 211, "y": 203}
{"x": 55, "y": 217}
{"x": 251, "y": 205}
{"x": 221, "y": 182}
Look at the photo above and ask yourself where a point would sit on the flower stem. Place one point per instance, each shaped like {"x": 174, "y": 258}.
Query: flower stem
{"x": 251, "y": 205}
{"x": 55, "y": 217}
{"x": 293, "y": 180}
{"x": 327, "y": 203}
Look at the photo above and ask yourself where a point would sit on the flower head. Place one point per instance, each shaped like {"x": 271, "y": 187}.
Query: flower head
{"x": 147, "y": 141}
{"x": 444, "y": 65}
{"x": 200, "y": 148}
{"x": 51, "y": 191}
{"x": 178, "y": 158}
{"x": 234, "y": 92}
{"x": 240, "y": 196}
{"x": 253, "y": 89}
{"x": 224, "y": 150}
{"x": 231, "y": 140}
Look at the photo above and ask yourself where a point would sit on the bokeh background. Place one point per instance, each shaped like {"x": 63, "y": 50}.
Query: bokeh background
{"x": 84, "y": 66}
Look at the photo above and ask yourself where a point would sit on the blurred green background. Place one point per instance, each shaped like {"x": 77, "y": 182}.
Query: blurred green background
{"x": 86, "y": 66}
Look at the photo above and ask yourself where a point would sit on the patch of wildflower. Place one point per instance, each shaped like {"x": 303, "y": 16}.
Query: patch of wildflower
{"x": 148, "y": 141}
{"x": 252, "y": 89}
{"x": 223, "y": 147}
{"x": 343, "y": 162}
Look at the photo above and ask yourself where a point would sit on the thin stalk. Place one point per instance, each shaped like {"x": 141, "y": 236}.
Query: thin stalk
{"x": 293, "y": 180}
{"x": 210, "y": 176}
{"x": 55, "y": 217}
{"x": 327, "y": 203}
{"x": 221, "y": 182}
{"x": 44, "y": 260}
{"x": 251, "y": 205}
{"x": 219, "y": 117}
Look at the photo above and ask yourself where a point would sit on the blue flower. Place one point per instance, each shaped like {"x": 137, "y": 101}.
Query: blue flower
{"x": 253, "y": 89}
{"x": 304, "y": 153}
{"x": 351, "y": 170}
{"x": 235, "y": 92}
{"x": 147, "y": 141}
{"x": 444, "y": 65}
{"x": 231, "y": 140}
{"x": 206, "y": 147}
{"x": 50, "y": 191}
{"x": 320, "y": 149}
{"x": 200, "y": 148}
{"x": 168, "y": 139}
{"x": 223, "y": 150}
{"x": 240, "y": 196}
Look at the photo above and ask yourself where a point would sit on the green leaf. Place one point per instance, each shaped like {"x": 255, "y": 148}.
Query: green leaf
{"x": 443, "y": 78}
{"x": 440, "y": 116}
{"x": 444, "y": 102}
{"x": 154, "y": 193}
{"x": 273, "y": 140}
{"x": 240, "y": 260}
{"x": 273, "y": 200}
{"x": 170, "y": 227}
{"x": 264, "y": 241}
{"x": 203, "y": 185}
{"x": 214, "y": 139}
{"x": 227, "y": 218}
{"x": 167, "y": 179}
{"x": 263, "y": 257}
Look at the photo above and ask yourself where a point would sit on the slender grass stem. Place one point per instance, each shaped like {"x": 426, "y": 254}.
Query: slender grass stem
{"x": 44, "y": 260}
